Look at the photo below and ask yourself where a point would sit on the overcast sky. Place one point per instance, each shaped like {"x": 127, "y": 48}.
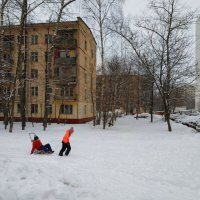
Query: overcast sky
{"x": 136, "y": 7}
{"x": 133, "y": 7}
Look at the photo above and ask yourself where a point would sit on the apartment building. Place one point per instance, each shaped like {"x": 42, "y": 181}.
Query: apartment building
{"x": 132, "y": 93}
{"x": 67, "y": 53}
{"x": 183, "y": 98}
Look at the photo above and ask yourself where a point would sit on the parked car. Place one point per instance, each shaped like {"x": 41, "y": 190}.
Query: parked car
{"x": 142, "y": 115}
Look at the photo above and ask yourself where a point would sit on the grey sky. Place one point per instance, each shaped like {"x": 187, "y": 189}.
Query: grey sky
{"x": 133, "y": 7}
{"x": 136, "y": 7}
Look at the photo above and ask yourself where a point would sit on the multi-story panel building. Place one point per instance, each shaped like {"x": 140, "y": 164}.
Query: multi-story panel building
{"x": 67, "y": 51}
{"x": 183, "y": 98}
{"x": 132, "y": 93}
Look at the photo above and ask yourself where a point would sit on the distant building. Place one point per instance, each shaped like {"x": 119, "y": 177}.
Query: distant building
{"x": 133, "y": 95}
{"x": 71, "y": 69}
{"x": 183, "y": 98}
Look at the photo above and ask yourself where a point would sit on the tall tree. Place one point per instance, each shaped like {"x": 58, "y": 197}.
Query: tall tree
{"x": 3, "y": 96}
{"x": 3, "y": 5}
{"x": 25, "y": 8}
{"x": 100, "y": 11}
{"x": 62, "y": 5}
{"x": 119, "y": 75}
{"x": 163, "y": 45}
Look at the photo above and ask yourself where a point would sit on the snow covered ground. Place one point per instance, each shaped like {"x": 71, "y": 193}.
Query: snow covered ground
{"x": 134, "y": 160}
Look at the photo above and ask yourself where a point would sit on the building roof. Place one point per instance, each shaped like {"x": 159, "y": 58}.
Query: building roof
{"x": 53, "y": 24}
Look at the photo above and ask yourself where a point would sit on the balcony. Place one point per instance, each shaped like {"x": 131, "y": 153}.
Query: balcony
{"x": 8, "y": 45}
{"x": 65, "y": 61}
{"x": 66, "y": 98}
{"x": 9, "y": 77}
{"x": 8, "y": 61}
{"x": 61, "y": 42}
{"x": 64, "y": 80}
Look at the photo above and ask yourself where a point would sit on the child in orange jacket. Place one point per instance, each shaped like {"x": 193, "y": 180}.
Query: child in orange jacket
{"x": 66, "y": 143}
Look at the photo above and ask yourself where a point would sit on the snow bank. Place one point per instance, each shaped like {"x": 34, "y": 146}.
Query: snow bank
{"x": 134, "y": 160}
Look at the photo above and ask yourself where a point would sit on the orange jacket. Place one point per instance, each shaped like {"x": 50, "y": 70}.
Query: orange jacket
{"x": 36, "y": 145}
{"x": 66, "y": 136}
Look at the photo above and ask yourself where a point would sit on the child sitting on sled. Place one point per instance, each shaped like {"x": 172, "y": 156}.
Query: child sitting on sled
{"x": 37, "y": 146}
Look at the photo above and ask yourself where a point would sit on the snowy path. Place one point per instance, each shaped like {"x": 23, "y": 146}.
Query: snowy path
{"x": 134, "y": 160}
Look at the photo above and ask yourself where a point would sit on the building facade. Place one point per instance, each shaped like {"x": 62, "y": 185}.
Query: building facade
{"x": 132, "y": 93}
{"x": 183, "y": 98}
{"x": 67, "y": 53}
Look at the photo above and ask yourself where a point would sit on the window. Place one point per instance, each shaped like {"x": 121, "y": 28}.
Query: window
{"x": 71, "y": 36}
{"x": 1, "y": 108}
{"x": 8, "y": 38}
{"x": 18, "y": 91}
{"x": 7, "y": 91}
{"x": 71, "y": 92}
{"x": 66, "y": 109}
{"x": 48, "y": 39}
{"x": 85, "y": 94}
{"x": 92, "y": 54}
{"x": 85, "y": 78}
{"x": 47, "y": 56}
{"x": 63, "y": 53}
{"x": 34, "y": 91}
{"x": 34, "y": 39}
{"x": 57, "y": 72}
{"x": 34, "y": 108}
{"x": 49, "y": 90}
{"x": 9, "y": 75}
{"x": 18, "y": 108}
{"x": 62, "y": 92}
{"x": 85, "y": 61}
{"x": 5, "y": 56}
{"x": 23, "y": 39}
{"x": 85, "y": 45}
{"x": 34, "y": 56}
{"x": 85, "y": 109}
{"x": 34, "y": 73}
{"x": 67, "y": 92}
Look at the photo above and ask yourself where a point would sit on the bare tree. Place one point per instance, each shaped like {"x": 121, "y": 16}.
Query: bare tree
{"x": 20, "y": 75}
{"x": 100, "y": 11}
{"x": 92, "y": 94}
{"x": 119, "y": 74}
{"x": 170, "y": 43}
{"x": 163, "y": 46}
{"x": 3, "y": 82}
{"x": 2, "y": 10}
{"x": 62, "y": 4}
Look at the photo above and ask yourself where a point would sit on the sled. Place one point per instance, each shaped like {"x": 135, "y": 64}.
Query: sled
{"x": 42, "y": 152}
{"x": 31, "y": 135}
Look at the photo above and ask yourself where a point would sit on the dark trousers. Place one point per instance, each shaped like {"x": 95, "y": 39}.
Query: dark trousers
{"x": 47, "y": 148}
{"x": 64, "y": 147}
